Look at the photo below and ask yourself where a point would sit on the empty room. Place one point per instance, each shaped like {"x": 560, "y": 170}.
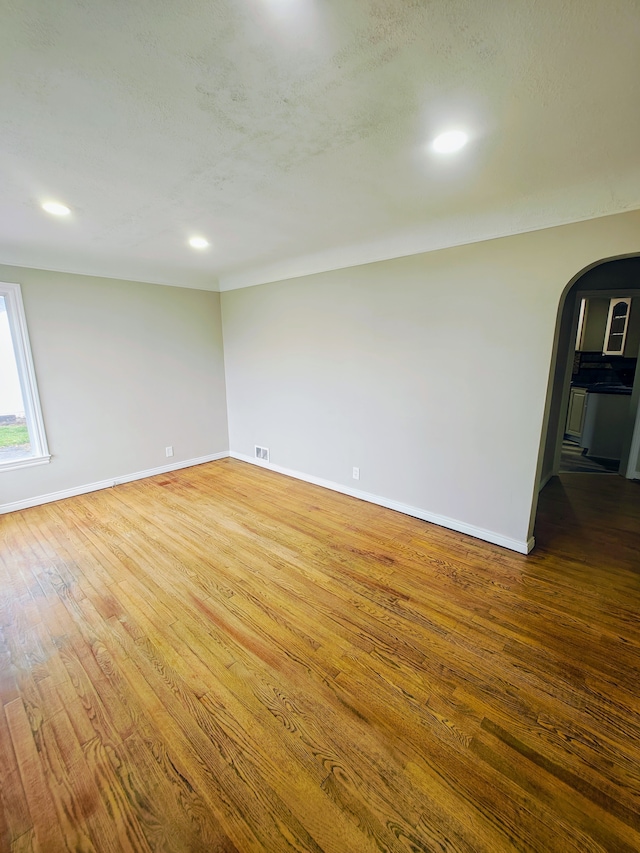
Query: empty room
{"x": 320, "y": 426}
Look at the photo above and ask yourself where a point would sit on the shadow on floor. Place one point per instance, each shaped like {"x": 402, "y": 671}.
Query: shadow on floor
{"x": 573, "y": 461}
{"x": 592, "y": 519}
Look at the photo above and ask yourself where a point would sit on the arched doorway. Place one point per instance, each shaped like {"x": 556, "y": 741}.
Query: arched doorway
{"x": 604, "y": 280}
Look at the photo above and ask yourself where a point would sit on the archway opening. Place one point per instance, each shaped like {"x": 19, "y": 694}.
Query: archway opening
{"x": 594, "y": 378}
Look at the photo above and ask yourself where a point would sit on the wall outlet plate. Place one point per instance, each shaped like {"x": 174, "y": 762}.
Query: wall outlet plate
{"x": 169, "y": 451}
{"x": 356, "y": 473}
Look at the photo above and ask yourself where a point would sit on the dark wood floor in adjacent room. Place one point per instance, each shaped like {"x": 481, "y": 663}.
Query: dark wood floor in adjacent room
{"x": 224, "y": 659}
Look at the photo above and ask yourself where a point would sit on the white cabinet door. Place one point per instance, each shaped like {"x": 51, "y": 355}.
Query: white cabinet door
{"x": 577, "y": 409}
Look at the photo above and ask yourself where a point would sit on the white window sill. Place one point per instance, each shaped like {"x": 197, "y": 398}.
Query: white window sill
{"x": 28, "y": 462}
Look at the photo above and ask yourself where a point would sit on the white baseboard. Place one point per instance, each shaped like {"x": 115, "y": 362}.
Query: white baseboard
{"x": 522, "y": 547}
{"x": 107, "y": 484}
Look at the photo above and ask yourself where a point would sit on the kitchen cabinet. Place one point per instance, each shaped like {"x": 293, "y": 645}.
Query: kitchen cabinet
{"x": 609, "y": 326}
{"x": 617, "y": 324}
{"x": 576, "y": 412}
{"x": 604, "y": 425}
{"x": 594, "y": 313}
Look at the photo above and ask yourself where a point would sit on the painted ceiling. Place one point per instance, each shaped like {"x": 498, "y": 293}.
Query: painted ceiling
{"x": 294, "y": 134}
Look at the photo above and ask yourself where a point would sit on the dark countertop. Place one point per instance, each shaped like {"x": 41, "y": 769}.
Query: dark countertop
{"x": 598, "y": 388}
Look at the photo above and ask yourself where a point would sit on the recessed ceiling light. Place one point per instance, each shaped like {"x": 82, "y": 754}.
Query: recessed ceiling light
{"x": 56, "y": 208}
{"x": 452, "y": 140}
{"x": 198, "y": 243}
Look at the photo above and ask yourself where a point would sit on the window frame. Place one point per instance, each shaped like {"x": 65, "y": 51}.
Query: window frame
{"x": 40, "y": 455}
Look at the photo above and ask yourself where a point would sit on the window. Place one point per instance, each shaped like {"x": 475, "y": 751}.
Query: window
{"x": 22, "y": 438}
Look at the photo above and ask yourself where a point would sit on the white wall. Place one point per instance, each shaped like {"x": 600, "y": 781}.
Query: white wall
{"x": 430, "y": 372}
{"x": 124, "y": 369}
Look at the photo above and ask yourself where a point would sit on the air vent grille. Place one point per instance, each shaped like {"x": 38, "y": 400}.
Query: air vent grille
{"x": 262, "y": 453}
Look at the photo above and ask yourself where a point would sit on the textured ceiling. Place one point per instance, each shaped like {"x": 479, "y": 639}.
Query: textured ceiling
{"x": 292, "y": 133}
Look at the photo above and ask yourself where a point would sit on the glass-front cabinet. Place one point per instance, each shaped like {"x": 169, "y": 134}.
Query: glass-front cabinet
{"x": 617, "y": 324}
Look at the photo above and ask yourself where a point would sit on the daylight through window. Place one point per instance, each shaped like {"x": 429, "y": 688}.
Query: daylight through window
{"x": 22, "y": 438}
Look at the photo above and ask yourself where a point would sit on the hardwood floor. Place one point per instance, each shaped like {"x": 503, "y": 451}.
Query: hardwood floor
{"x": 225, "y": 659}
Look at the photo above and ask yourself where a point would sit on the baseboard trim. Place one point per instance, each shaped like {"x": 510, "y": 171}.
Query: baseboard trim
{"x": 107, "y": 484}
{"x": 522, "y": 547}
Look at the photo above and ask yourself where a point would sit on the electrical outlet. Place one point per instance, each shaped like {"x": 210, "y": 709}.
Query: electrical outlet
{"x": 169, "y": 451}
{"x": 356, "y": 473}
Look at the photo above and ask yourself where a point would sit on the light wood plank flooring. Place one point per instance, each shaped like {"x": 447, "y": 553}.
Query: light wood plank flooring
{"x": 224, "y": 659}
